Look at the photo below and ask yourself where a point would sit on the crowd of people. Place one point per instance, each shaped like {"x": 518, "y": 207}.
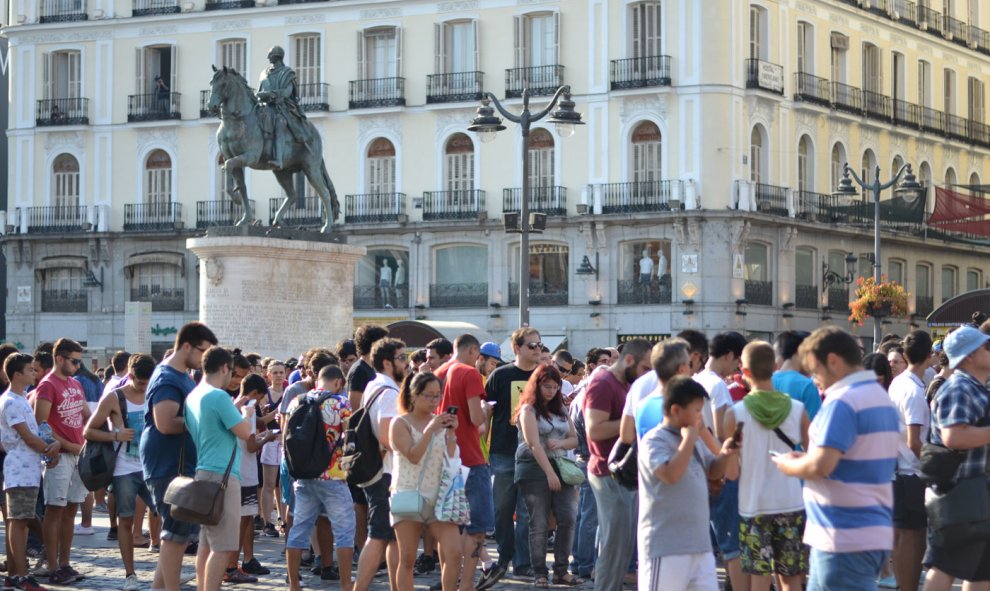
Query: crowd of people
{"x": 802, "y": 464}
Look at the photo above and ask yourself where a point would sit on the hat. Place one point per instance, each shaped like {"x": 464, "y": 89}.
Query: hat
{"x": 962, "y": 342}
{"x": 492, "y": 350}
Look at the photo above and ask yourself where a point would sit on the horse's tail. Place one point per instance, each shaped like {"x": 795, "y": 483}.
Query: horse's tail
{"x": 333, "y": 192}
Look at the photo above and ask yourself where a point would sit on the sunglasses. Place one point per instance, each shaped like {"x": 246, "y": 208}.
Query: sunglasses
{"x": 563, "y": 370}
{"x": 534, "y": 346}
{"x": 76, "y": 362}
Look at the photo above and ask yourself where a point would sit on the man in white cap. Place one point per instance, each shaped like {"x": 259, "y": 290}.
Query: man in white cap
{"x": 960, "y": 419}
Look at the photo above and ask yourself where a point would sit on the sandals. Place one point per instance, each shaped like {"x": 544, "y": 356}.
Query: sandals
{"x": 541, "y": 583}
{"x": 567, "y": 580}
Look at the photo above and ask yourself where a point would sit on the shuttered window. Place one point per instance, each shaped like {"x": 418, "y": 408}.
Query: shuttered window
{"x": 924, "y": 84}
{"x": 233, "y": 54}
{"x": 949, "y": 91}
{"x": 65, "y": 181}
{"x": 381, "y": 167}
{"x": 306, "y": 62}
{"x": 380, "y": 52}
{"x": 456, "y": 47}
{"x": 806, "y": 163}
{"x": 154, "y": 61}
{"x": 537, "y": 40}
{"x": 645, "y": 20}
{"x": 158, "y": 178}
{"x": 646, "y": 152}
{"x": 541, "y": 159}
{"x": 459, "y": 161}
{"x": 977, "y": 106}
{"x": 62, "y": 75}
{"x": 872, "y": 69}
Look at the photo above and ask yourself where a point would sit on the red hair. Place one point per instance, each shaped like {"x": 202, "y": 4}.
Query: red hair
{"x": 531, "y": 394}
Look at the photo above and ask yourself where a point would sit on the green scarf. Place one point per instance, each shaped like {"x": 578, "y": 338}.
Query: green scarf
{"x": 770, "y": 409}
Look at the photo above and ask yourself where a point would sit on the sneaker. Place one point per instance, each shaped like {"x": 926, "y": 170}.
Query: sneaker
{"x": 100, "y": 508}
{"x": 78, "y": 575}
{"x": 154, "y": 548}
{"x": 81, "y": 530}
{"x": 28, "y": 584}
{"x": 112, "y": 535}
{"x": 36, "y": 552}
{"x": 425, "y": 564}
{"x": 61, "y": 576}
{"x": 491, "y": 576}
{"x": 269, "y": 531}
{"x": 317, "y": 569}
{"x": 330, "y": 573}
{"x": 307, "y": 559}
{"x": 238, "y": 576}
{"x": 253, "y": 567}
{"x": 41, "y": 569}
{"x": 131, "y": 583}
{"x": 259, "y": 523}
{"x": 302, "y": 585}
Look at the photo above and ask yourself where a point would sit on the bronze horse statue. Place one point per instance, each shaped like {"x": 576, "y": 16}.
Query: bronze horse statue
{"x": 245, "y": 141}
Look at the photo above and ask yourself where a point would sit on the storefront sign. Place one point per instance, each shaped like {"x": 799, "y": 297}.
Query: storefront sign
{"x": 653, "y": 338}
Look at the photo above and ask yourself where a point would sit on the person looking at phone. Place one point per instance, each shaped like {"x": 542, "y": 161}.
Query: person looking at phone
{"x": 771, "y": 509}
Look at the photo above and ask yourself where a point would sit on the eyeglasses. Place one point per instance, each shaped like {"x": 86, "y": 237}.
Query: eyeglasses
{"x": 534, "y": 346}
{"x": 550, "y": 386}
{"x": 563, "y": 370}
{"x": 202, "y": 349}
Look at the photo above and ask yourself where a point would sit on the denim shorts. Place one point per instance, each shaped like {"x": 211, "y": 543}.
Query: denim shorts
{"x": 849, "y": 571}
{"x": 126, "y": 488}
{"x": 317, "y": 496}
{"x": 478, "y": 489}
{"x": 173, "y": 530}
{"x": 725, "y": 520}
{"x": 379, "y": 515}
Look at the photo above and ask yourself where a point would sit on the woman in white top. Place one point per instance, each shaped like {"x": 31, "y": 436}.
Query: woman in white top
{"x": 421, "y": 441}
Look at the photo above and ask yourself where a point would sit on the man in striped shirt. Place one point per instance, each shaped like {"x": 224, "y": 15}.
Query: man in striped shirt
{"x": 849, "y": 467}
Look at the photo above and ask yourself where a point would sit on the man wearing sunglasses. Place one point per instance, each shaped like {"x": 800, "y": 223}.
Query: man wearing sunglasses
{"x": 59, "y": 399}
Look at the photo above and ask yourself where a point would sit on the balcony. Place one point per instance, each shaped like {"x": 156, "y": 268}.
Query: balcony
{"x": 374, "y": 208}
{"x": 771, "y": 199}
{"x": 65, "y": 300}
{"x": 806, "y": 297}
{"x": 979, "y": 133}
{"x": 62, "y": 11}
{"x": 905, "y": 12}
{"x": 155, "y": 7}
{"x": 458, "y": 295}
{"x": 764, "y": 76}
{"x": 932, "y": 121}
{"x": 204, "y": 104}
{"x": 878, "y": 7}
{"x": 463, "y": 204}
{"x": 812, "y": 89}
{"x": 548, "y": 200}
{"x": 152, "y": 216}
{"x": 153, "y": 107}
{"x": 64, "y": 111}
{"x": 540, "y": 295}
{"x": 305, "y": 212}
{"x": 210, "y": 214}
{"x": 162, "y": 300}
{"x": 956, "y": 29}
{"x": 955, "y": 128}
{"x": 455, "y": 87}
{"x": 809, "y": 205}
{"x": 58, "y": 219}
{"x": 877, "y": 106}
{"x": 931, "y": 21}
{"x": 639, "y": 196}
{"x": 632, "y": 292}
{"x": 907, "y": 114}
{"x": 759, "y": 293}
{"x": 314, "y": 97}
{"x": 838, "y": 299}
{"x": 374, "y": 297}
{"x": 847, "y": 98}
{"x": 539, "y": 80}
{"x": 924, "y": 305}
{"x": 640, "y": 72}
{"x": 228, "y": 4}
{"x": 377, "y": 92}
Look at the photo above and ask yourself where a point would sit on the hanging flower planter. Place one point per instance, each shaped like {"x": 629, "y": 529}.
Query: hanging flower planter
{"x": 886, "y": 299}
{"x": 881, "y": 309}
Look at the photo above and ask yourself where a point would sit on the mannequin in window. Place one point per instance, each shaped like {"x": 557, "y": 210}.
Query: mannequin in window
{"x": 385, "y": 283}
{"x": 645, "y": 267}
{"x": 662, "y": 269}
{"x": 400, "y": 274}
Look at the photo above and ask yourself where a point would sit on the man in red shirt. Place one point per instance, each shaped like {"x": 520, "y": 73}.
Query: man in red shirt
{"x": 464, "y": 389}
{"x": 59, "y": 400}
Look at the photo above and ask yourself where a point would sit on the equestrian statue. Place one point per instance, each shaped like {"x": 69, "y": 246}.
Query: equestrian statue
{"x": 269, "y": 131}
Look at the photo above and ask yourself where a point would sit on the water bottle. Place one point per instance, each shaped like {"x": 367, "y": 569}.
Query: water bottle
{"x": 45, "y": 433}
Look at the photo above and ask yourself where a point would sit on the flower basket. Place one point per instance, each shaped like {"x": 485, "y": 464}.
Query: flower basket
{"x": 883, "y": 299}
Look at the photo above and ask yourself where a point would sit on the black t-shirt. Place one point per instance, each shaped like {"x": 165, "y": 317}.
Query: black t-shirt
{"x": 359, "y": 375}
{"x": 504, "y": 386}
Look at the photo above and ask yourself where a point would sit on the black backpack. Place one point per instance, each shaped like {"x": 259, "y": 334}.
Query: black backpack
{"x": 362, "y": 458}
{"x": 307, "y": 451}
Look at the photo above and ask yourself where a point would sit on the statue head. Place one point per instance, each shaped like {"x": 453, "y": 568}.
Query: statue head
{"x": 275, "y": 54}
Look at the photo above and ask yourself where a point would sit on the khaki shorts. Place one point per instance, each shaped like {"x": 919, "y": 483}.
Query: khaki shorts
{"x": 62, "y": 484}
{"x": 224, "y": 536}
{"x": 22, "y": 502}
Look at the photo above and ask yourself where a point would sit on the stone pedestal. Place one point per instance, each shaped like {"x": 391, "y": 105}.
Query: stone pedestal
{"x": 275, "y": 296}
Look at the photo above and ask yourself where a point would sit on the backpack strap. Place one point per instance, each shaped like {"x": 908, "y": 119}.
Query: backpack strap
{"x": 122, "y": 402}
{"x": 787, "y": 440}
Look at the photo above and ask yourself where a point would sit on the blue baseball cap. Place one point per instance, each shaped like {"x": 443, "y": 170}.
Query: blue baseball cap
{"x": 962, "y": 342}
{"x": 492, "y": 350}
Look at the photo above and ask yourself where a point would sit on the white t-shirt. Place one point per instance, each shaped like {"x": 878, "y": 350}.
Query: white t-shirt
{"x": 22, "y": 468}
{"x": 129, "y": 460}
{"x": 907, "y": 392}
{"x": 385, "y": 407}
{"x": 645, "y": 385}
{"x": 249, "y": 463}
{"x": 718, "y": 395}
{"x": 566, "y": 388}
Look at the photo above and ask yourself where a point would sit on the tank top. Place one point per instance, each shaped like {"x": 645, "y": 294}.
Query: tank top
{"x": 405, "y": 474}
{"x": 556, "y": 427}
{"x": 763, "y": 489}
{"x": 128, "y": 460}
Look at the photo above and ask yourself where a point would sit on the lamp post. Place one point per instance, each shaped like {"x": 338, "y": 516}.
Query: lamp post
{"x": 910, "y": 189}
{"x": 486, "y": 124}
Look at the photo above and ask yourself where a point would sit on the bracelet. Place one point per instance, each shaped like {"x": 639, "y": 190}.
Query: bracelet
{"x": 115, "y": 436}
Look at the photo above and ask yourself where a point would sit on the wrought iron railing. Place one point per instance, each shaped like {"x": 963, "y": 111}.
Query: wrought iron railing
{"x": 931, "y": 21}
{"x": 371, "y": 297}
{"x": 932, "y": 120}
{"x": 540, "y": 295}
{"x": 812, "y": 89}
{"x": 548, "y": 200}
{"x": 454, "y": 87}
{"x": 907, "y": 114}
{"x": 204, "y": 104}
{"x": 228, "y": 4}
{"x": 162, "y": 299}
{"x": 377, "y": 92}
{"x": 152, "y": 216}
{"x": 657, "y": 290}
{"x": 810, "y": 205}
{"x": 806, "y": 297}
{"x": 65, "y": 300}
{"x": 876, "y": 105}
{"x": 957, "y": 29}
{"x": 924, "y": 305}
{"x": 155, "y": 7}
{"x": 637, "y": 196}
{"x": 905, "y": 11}
{"x": 374, "y": 208}
{"x": 640, "y": 72}
{"x": 838, "y": 299}
{"x": 458, "y": 295}
{"x": 759, "y": 293}
{"x": 464, "y": 204}
{"x": 880, "y": 7}
{"x": 301, "y": 212}
{"x": 62, "y": 11}
{"x": 153, "y": 107}
{"x": 847, "y": 98}
{"x": 955, "y": 128}
{"x": 62, "y": 111}
{"x": 764, "y": 75}
{"x": 314, "y": 96}
{"x": 540, "y": 80}
{"x": 771, "y": 199}
{"x": 57, "y": 219}
{"x": 979, "y": 133}
{"x": 219, "y": 213}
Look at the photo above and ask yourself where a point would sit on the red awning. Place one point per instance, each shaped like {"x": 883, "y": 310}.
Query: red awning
{"x": 952, "y": 206}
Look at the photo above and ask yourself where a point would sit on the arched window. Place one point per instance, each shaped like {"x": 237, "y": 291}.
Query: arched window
{"x": 949, "y": 276}
{"x": 65, "y": 181}
{"x": 62, "y": 290}
{"x": 950, "y": 177}
{"x": 925, "y": 178}
{"x": 838, "y": 161}
{"x": 756, "y": 271}
{"x": 381, "y": 167}
{"x": 541, "y": 159}
{"x": 924, "y": 301}
{"x": 459, "y": 163}
{"x": 974, "y": 181}
{"x": 806, "y": 292}
{"x": 895, "y": 270}
{"x": 646, "y": 152}
{"x": 758, "y": 155}
{"x": 806, "y": 164}
{"x": 869, "y": 166}
{"x": 158, "y": 178}
{"x": 896, "y": 165}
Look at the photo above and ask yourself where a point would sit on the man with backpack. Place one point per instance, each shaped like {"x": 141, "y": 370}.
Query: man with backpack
{"x": 312, "y": 443}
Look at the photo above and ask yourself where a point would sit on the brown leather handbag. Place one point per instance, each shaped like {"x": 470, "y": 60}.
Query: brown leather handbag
{"x": 197, "y": 501}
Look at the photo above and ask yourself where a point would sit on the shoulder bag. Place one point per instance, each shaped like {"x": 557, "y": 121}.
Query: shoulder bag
{"x": 411, "y": 504}
{"x": 959, "y": 516}
{"x": 567, "y": 469}
{"x": 622, "y": 464}
{"x": 197, "y": 501}
{"x": 97, "y": 459}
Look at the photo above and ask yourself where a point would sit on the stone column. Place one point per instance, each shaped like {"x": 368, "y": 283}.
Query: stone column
{"x": 274, "y": 296}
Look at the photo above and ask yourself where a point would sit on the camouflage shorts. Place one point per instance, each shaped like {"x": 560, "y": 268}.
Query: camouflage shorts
{"x": 772, "y": 544}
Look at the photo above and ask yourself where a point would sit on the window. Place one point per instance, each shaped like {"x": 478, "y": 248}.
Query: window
{"x": 949, "y": 92}
{"x": 381, "y": 167}
{"x": 974, "y": 181}
{"x": 158, "y": 178}
{"x": 644, "y": 277}
{"x": 973, "y": 279}
{"x": 838, "y": 161}
{"x": 382, "y": 279}
{"x": 895, "y": 271}
{"x": 159, "y": 282}
{"x": 896, "y": 165}
{"x": 804, "y": 275}
{"x": 948, "y": 283}
{"x": 380, "y": 52}
{"x": 541, "y": 159}
{"x": 158, "y": 60}
{"x": 645, "y": 38}
{"x": 232, "y": 53}
{"x": 974, "y": 13}
{"x": 646, "y": 153}
{"x": 806, "y": 165}
{"x": 949, "y": 8}
{"x": 872, "y": 69}
{"x": 837, "y": 262}
{"x": 924, "y": 84}
{"x": 837, "y": 59}
{"x": 64, "y": 280}
{"x": 548, "y": 274}
{"x": 950, "y": 176}
{"x": 62, "y": 75}
{"x": 460, "y": 277}
{"x": 758, "y": 155}
{"x": 897, "y": 81}
{"x": 869, "y": 166}
{"x": 459, "y": 163}
{"x": 306, "y": 58}
{"x": 537, "y": 40}
{"x": 757, "y": 262}
{"x": 65, "y": 181}
{"x": 758, "y": 30}
{"x": 925, "y": 178}
{"x": 977, "y": 104}
{"x": 805, "y": 48}
{"x": 923, "y": 281}
{"x": 456, "y": 47}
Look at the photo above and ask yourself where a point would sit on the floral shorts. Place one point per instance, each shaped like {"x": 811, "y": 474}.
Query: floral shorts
{"x": 772, "y": 544}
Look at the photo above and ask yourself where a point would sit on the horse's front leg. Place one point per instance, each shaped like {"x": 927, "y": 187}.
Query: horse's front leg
{"x": 285, "y": 180}
{"x": 240, "y": 188}
{"x": 242, "y": 160}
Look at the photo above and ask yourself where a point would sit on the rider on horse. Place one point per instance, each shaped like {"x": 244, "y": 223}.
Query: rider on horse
{"x": 277, "y": 89}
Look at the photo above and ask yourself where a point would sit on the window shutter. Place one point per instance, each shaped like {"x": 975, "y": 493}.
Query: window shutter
{"x": 439, "y": 62}
{"x": 519, "y": 40}
{"x": 47, "y": 74}
{"x": 74, "y": 74}
{"x": 556, "y": 39}
{"x": 398, "y": 52}
{"x": 636, "y": 12}
{"x": 140, "y": 78}
{"x": 477, "y": 46}
{"x": 362, "y": 57}
{"x": 174, "y": 68}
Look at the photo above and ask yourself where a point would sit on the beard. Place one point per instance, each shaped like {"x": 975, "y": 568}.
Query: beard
{"x": 631, "y": 374}
{"x": 399, "y": 374}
